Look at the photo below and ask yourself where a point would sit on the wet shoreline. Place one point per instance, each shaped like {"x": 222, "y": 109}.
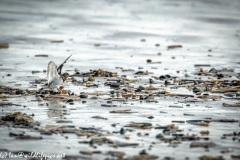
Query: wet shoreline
{"x": 148, "y": 79}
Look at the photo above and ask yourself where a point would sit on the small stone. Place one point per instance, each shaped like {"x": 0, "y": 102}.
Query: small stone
{"x": 162, "y": 77}
{"x": 139, "y": 134}
{"x": 69, "y": 100}
{"x": 168, "y": 76}
{"x": 202, "y": 70}
{"x": 115, "y": 85}
{"x": 206, "y": 132}
{"x": 149, "y": 61}
{"x": 122, "y": 131}
{"x": 83, "y": 96}
{"x": 158, "y": 136}
{"x": 128, "y": 137}
{"x": 150, "y": 117}
{"x": 143, "y": 152}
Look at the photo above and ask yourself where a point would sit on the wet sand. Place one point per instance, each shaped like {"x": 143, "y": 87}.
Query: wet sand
{"x": 119, "y": 36}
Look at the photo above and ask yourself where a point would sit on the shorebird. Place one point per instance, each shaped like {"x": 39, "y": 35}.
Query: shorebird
{"x": 54, "y": 75}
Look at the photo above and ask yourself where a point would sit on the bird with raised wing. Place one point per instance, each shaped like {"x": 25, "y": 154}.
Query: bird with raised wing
{"x": 54, "y": 75}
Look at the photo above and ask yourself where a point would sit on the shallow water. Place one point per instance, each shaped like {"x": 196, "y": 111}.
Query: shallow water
{"x": 127, "y": 32}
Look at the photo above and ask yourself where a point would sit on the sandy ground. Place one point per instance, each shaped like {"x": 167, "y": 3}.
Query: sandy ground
{"x": 111, "y": 34}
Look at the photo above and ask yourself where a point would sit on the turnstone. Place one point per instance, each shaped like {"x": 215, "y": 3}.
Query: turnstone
{"x": 55, "y": 78}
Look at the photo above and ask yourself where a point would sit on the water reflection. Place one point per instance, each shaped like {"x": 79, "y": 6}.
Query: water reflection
{"x": 55, "y": 109}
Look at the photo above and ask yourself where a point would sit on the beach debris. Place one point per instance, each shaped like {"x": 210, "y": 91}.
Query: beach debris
{"x": 140, "y": 125}
{"x": 4, "y": 45}
{"x": 97, "y": 44}
{"x": 57, "y": 41}
{"x": 205, "y": 132}
{"x": 128, "y": 94}
{"x": 228, "y": 150}
{"x": 175, "y": 106}
{"x": 99, "y": 117}
{"x": 18, "y": 117}
{"x": 202, "y": 144}
{"x": 28, "y": 137}
{"x": 41, "y": 55}
{"x": 121, "y": 111}
{"x": 199, "y": 122}
{"x": 2, "y": 95}
{"x": 202, "y": 65}
{"x": 174, "y": 46}
{"x": 231, "y": 105}
{"x": 211, "y": 158}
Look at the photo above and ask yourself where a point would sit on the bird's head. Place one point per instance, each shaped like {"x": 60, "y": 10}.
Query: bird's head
{"x": 65, "y": 76}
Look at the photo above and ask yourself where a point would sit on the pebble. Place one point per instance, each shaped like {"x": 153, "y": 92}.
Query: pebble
{"x": 149, "y": 61}
{"x": 150, "y": 117}
{"x": 83, "y": 95}
{"x": 159, "y": 136}
{"x": 143, "y": 152}
{"x": 69, "y": 100}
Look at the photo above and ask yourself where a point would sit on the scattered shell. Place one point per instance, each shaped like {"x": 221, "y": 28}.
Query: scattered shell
{"x": 3, "y": 95}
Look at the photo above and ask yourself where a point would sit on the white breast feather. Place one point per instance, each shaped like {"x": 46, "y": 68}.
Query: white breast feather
{"x": 52, "y": 72}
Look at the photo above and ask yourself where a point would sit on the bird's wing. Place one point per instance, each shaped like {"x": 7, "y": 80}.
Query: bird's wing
{"x": 51, "y": 71}
{"x": 59, "y": 69}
